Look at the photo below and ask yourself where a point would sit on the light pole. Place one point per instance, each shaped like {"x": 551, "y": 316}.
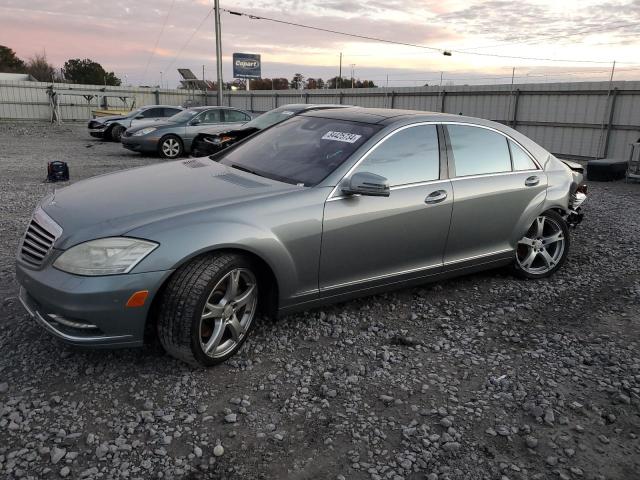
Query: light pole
{"x": 352, "y": 65}
{"x": 218, "y": 49}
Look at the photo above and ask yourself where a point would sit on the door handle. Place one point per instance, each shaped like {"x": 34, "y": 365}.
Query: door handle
{"x": 436, "y": 197}
{"x": 532, "y": 181}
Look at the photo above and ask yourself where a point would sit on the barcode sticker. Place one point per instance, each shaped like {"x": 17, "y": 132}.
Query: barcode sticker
{"x": 341, "y": 137}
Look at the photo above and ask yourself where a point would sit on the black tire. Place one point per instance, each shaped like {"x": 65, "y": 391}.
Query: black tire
{"x": 555, "y": 219}
{"x": 183, "y": 302}
{"x": 165, "y": 142}
{"x": 116, "y": 132}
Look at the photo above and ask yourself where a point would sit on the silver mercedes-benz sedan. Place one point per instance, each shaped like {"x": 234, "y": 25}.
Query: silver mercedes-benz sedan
{"x": 325, "y": 206}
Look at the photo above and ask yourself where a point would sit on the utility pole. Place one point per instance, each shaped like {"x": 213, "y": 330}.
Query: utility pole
{"x": 218, "y": 49}
{"x": 352, "y": 65}
{"x": 161, "y": 80}
{"x": 441, "y": 73}
{"x": 339, "y": 73}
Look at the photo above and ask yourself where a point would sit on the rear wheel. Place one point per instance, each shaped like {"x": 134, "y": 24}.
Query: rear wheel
{"x": 170, "y": 147}
{"x": 544, "y": 248}
{"x": 116, "y": 133}
{"x": 208, "y": 308}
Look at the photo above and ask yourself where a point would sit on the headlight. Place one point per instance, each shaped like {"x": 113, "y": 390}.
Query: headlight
{"x": 105, "y": 256}
{"x": 144, "y": 131}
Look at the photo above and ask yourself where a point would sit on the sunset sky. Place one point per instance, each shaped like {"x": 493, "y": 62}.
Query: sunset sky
{"x": 121, "y": 36}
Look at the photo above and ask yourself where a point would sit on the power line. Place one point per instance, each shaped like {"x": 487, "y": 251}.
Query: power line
{"x": 153, "y": 52}
{"x": 193, "y": 33}
{"x": 393, "y": 42}
{"x": 555, "y": 37}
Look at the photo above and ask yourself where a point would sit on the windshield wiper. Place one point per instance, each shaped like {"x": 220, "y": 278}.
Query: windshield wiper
{"x": 245, "y": 169}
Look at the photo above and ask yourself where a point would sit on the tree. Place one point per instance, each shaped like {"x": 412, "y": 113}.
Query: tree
{"x": 338, "y": 82}
{"x": 280, "y": 83}
{"x": 88, "y": 72}
{"x": 314, "y": 84}
{"x": 297, "y": 81}
{"x": 39, "y": 68}
{"x": 9, "y": 61}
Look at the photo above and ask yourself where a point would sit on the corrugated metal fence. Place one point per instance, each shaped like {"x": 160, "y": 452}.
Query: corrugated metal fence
{"x": 582, "y": 120}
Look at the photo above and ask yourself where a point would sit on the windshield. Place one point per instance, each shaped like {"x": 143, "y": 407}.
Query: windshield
{"x": 270, "y": 118}
{"x": 302, "y": 150}
{"x": 183, "y": 116}
{"x": 135, "y": 113}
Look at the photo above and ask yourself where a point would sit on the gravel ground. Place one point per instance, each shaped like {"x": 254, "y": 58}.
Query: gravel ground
{"x": 481, "y": 377}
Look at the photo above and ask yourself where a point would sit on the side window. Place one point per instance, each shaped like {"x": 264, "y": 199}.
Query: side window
{"x": 235, "y": 116}
{"x": 211, "y": 116}
{"x": 170, "y": 112}
{"x": 409, "y": 156}
{"x": 478, "y": 151}
{"x": 521, "y": 161}
{"x": 153, "y": 112}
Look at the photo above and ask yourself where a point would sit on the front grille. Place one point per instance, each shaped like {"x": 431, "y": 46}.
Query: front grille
{"x": 39, "y": 238}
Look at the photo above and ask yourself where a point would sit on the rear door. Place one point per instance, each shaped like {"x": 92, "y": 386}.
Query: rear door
{"x": 235, "y": 117}
{"x": 203, "y": 121}
{"x": 497, "y": 189}
{"x": 170, "y": 112}
{"x": 369, "y": 241}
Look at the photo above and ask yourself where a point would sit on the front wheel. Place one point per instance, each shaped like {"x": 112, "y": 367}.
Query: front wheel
{"x": 207, "y": 309}
{"x": 544, "y": 248}
{"x": 170, "y": 147}
{"x": 116, "y": 133}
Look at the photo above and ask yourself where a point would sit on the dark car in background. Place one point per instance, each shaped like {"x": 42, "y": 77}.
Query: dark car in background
{"x": 111, "y": 127}
{"x": 210, "y": 142}
{"x": 173, "y": 137}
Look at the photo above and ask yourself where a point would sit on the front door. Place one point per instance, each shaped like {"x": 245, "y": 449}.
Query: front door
{"x": 368, "y": 241}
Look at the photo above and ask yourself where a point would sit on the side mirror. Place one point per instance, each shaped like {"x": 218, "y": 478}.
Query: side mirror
{"x": 365, "y": 183}
{"x": 195, "y": 121}
{"x": 139, "y": 117}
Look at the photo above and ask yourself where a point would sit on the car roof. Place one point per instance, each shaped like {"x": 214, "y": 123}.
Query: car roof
{"x": 387, "y": 116}
{"x": 300, "y": 107}
{"x": 212, "y": 107}
{"x": 146, "y": 107}
{"x": 364, "y": 115}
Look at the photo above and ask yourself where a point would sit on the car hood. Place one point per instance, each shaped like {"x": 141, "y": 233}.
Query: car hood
{"x": 116, "y": 203}
{"x": 109, "y": 118}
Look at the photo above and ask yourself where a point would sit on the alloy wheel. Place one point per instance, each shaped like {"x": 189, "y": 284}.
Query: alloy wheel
{"x": 171, "y": 147}
{"x": 228, "y": 312}
{"x": 542, "y": 247}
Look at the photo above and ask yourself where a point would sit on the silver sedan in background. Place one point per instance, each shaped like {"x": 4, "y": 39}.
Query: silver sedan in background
{"x": 325, "y": 206}
{"x": 173, "y": 137}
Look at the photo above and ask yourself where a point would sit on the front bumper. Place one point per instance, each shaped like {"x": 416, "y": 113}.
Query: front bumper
{"x": 88, "y": 311}
{"x": 140, "y": 144}
{"x": 97, "y": 132}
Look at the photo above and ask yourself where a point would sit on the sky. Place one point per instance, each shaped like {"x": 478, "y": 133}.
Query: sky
{"x": 139, "y": 39}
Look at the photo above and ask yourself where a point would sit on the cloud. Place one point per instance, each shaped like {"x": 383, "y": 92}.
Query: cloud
{"x": 122, "y": 36}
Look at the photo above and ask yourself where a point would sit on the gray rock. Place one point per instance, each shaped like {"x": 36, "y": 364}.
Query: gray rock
{"x": 57, "y": 454}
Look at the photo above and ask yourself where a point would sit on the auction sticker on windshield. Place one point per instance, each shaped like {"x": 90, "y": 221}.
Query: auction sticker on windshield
{"x": 341, "y": 137}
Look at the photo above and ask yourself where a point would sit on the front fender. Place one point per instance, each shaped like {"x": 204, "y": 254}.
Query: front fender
{"x": 285, "y": 233}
